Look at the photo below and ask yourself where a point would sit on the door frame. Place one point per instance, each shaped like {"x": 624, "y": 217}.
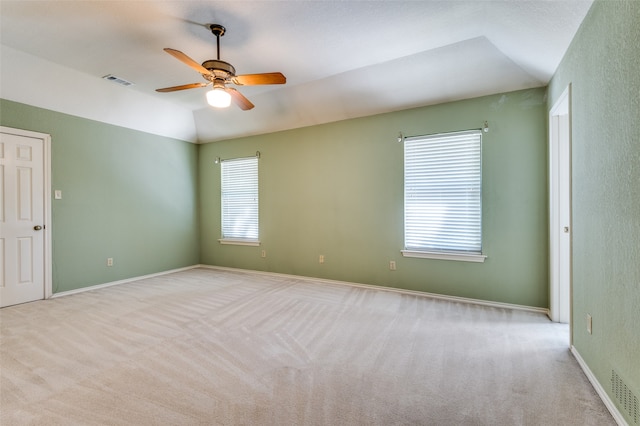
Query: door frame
{"x": 46, "y": 146}
{"x": 561, "y": 107}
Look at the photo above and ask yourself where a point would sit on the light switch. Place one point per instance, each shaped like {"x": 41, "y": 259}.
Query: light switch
{"x": 57, "y": 194}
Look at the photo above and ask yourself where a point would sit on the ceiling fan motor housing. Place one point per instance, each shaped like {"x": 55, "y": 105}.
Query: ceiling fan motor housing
{"x": 219, "y": 69}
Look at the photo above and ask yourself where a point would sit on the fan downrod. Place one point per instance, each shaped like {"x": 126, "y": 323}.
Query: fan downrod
{"x": 217, "y": 30}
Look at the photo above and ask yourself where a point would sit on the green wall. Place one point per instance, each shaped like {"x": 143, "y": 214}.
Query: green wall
{"x": 337, "y": 190}
{"x": 128, "y": 195}
{"x": 603, "y": 67}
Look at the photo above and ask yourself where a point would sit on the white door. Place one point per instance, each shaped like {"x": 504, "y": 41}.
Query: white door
{"x": 560, "y": 209}
{"x": 23, "y": 210}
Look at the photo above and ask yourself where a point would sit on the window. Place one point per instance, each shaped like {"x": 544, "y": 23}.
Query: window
{"x": 443, "y": 197}
{"x": 239, "y": 179}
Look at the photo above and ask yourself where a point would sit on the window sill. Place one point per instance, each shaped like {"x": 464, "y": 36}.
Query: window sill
{"x": 444, "y": 256}
{"x": 239, "y": 242}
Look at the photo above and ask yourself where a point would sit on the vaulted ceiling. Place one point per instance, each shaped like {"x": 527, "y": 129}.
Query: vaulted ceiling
{"x": 342, "y": 59}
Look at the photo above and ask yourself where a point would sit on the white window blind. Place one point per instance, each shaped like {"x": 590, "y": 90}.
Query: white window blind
{"x": 443, "y": 197}
{"x": 240, "y": 199}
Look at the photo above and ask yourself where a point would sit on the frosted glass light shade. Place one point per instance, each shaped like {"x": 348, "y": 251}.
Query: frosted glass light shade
{"x": 218, "y": 98}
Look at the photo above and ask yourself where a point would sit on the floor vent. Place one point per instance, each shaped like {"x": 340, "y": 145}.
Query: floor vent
{"x": 118, "y": 80}
{"x": 626, "y": 399}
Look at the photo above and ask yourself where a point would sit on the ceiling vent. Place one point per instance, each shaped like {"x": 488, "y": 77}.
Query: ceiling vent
{"x": 120, "y": 81}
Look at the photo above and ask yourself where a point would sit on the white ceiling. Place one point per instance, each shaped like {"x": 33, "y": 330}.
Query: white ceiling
{"x": 342, "y": 59}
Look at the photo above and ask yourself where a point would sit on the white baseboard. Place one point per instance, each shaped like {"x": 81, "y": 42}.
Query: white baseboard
{"x": 615, "y": 413}
{"x": 392, "y": 289}
{"x": 300, "y": 277}
{"x": 127, "y": 280}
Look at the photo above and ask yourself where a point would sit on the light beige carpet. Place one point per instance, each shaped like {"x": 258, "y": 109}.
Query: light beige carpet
{"x": 207, "y": 347}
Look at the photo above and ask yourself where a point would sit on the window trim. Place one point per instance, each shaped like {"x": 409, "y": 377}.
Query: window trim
{"x": 239, "y": 241}
{"x": 478, "y": 257}
{"x": 462, "y": 257}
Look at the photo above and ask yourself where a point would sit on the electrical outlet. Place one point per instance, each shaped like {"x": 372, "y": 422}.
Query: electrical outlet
{"x": 110, "y": 261}
{"x": 589, "y": 323}
{"x": 321, "y": 258}
{"x": 392, "y": 265}
{"x": 263, "y": 253}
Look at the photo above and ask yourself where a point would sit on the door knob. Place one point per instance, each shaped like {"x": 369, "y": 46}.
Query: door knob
{"x": 566, "y": 229}
{"x": 37, "y": 227}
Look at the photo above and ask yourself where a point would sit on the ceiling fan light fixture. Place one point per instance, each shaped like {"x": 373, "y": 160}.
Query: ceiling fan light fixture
{"x": 218, "y": 98}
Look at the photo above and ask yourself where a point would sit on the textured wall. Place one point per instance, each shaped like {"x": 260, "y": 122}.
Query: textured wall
{"x": 603, "y": 68}
{"x": 126, "y": 194}
{"x": 337, "y": 190}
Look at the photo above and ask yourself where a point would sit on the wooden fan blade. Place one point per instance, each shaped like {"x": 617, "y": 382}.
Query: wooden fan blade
{"x": 183, "y": 87}
{"x": 187, "y": 60}
{"x": 266, "y": 78}
{"x": 239, "y": 99}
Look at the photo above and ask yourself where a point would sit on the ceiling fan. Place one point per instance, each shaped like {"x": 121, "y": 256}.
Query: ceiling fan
{"x": 219, "y": 74}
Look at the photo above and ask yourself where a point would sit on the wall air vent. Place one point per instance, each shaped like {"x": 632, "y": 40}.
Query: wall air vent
{"x": 120, "y": 81}
{"x": 626, "y": 399}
